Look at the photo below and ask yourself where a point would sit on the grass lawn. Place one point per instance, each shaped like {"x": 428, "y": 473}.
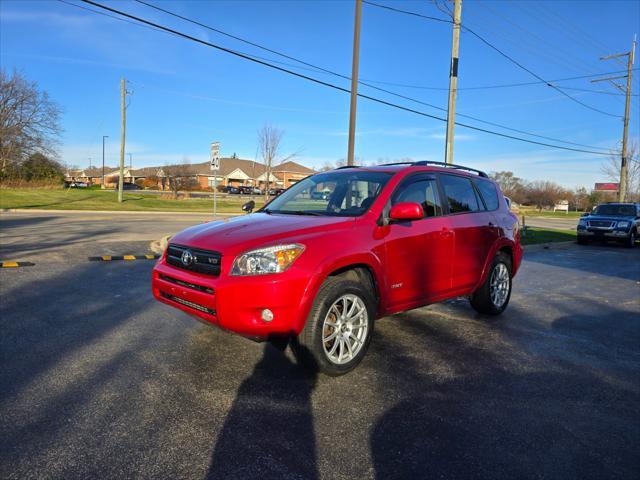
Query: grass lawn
{"x": 536, "y": 213}
{"x": 77, "y": 199}
{"x": 546, "y": 235}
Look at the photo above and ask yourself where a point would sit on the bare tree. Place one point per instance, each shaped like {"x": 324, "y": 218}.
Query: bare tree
{"x": 269, "y": 138}
{"x": 512, "y": 186}
{"x": 29, "y": 122}
{"x": 542, "y": 193}
{"x": 611, "y": 168}
{"x": 181, "y": 178}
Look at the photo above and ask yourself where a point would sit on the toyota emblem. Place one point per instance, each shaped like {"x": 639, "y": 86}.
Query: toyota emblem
{"x": 187, "y": 258}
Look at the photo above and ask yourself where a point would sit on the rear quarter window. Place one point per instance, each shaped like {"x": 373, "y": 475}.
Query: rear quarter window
{"x": 460, "y": 194}
{"x": 489, "y": 194}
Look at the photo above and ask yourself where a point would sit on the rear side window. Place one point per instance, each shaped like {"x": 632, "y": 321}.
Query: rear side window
{"x": 489, "y": 194}
{"x": 424, "y": 192}
{"x": 460, "y": 194}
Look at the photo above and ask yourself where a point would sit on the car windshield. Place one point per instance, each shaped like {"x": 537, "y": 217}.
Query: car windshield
{"x": 616, "y": 210}
{"x": 344, "y": 193}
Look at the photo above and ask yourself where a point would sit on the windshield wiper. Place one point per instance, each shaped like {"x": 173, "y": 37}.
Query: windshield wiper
{"x": 299, "y": 212}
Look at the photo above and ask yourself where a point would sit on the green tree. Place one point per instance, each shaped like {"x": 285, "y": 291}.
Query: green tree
{"x": 39, "y": 167}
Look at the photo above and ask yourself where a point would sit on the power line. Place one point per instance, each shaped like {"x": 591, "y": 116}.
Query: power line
{"x": 327, "y": 84}
{"x": 512, "y": 60}
{"x": 504, "y": 85}
{"x": 386, "y": 7}
{"x": 330, "y": 72}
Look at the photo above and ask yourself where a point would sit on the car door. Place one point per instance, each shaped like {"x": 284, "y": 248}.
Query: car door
{"x": 418, "y": 253}
{"x": 475, "y": 229}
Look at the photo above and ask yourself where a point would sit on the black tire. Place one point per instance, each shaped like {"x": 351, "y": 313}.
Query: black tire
{"x": 583, "y": 241}
{"x": 631, "y": 241}
{"x": 308, "y": 346}
{"x": 481, "y": 299}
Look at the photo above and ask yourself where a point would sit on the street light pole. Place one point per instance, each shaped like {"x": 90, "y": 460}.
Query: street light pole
{"x": 103, "y": 137}
{"x": 354, "y": 84}
{"x": 453, "y": 81}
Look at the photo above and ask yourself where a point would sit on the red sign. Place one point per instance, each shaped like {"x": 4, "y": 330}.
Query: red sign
{"x": 606, "y": 187}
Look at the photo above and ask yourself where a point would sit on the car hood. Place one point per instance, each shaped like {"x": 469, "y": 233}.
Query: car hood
{"x": 610, "y": 218}
{"x": 258, "y": 229}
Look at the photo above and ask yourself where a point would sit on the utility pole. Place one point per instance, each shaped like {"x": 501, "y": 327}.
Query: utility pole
{"x": 453, "y": 81}
{"x": 624, "y": 161}
{"x": 123, "y": 107}
{"x": 354, "y": 83}
{"x": 103, "y": 137}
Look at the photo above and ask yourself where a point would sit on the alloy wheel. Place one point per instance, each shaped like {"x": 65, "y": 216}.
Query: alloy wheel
{"x": 344, "y": 330}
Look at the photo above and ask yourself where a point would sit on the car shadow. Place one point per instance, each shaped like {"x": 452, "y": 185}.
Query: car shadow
{"x": 269, "y": 432}
{"x": 511, "y": 411}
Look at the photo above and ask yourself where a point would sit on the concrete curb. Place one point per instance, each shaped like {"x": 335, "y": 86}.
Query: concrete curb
{"x": 159, "y": 246}
{"x": 112, "y": 212}
{"x": 548, "y": 245}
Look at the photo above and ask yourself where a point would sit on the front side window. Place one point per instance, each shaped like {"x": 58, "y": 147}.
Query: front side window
{"x": 345, "y": 193}
{"x": 460, "y": 194}
{"x": 489, "y": 193}
{"x": 424, "y": 192}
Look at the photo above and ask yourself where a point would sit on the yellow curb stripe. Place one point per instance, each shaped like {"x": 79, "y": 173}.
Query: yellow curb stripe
{"x": 10, "y": 264}
{"x": 106, "y": 258}
{"x": 150, "y": 257}
{"x": 129, "y": 257}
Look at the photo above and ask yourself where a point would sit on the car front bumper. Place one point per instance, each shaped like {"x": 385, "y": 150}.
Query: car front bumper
{"x": 609, "y": 234}
{"x": 236, "y": 303}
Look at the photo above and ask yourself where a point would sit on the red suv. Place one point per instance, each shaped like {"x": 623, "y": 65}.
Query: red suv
{"x": 317, "y": 269}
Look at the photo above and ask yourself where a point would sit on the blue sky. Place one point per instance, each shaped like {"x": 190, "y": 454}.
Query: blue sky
{"x": 186, "y": 95}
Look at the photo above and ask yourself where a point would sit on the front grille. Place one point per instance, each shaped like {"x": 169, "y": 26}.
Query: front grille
{"x": 601, "y": 223}
{"x": 189, "y": 304}
{"x": 201, "y": 261}
{"x": 182, "y": 283}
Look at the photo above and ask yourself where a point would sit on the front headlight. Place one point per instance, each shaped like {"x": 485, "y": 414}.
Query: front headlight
{"x": 623, "y": 224}
{"x": 582, "y": 223}
{"x": 274, "y": 259}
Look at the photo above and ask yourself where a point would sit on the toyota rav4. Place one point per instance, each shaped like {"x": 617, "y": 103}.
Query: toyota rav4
{"x": 320, "y": 262}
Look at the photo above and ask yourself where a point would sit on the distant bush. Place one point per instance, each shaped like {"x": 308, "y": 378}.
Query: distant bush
{"x": 21, "y": 183}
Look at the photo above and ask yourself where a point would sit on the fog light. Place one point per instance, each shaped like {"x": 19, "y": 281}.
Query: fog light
{"x": 267, "y": 315}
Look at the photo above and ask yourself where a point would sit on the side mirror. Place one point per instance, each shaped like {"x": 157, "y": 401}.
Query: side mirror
{"x": 585, "y": 214}
{"x": 508, "y": 200}
{"x": 249, "y": 206}
{"x": 405, "y": 211}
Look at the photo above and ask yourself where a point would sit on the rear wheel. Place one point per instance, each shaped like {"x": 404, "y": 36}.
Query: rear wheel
{"x": 338, "y": 329}
{"x": 493, "y": 295}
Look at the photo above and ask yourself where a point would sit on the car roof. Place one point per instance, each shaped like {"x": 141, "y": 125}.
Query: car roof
{"x": 420, "y": 166}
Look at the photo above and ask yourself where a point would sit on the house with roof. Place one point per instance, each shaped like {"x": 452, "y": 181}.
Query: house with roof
{"x": 233, "y": 172}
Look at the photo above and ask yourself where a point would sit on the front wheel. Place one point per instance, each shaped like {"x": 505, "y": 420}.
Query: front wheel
{"x": 631, "y": 241}
{"x": 493, "y": 295}
{"x": 338, "y": 329}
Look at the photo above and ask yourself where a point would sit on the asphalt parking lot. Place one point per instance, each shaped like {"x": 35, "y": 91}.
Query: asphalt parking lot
{"x": 100, "y": 381}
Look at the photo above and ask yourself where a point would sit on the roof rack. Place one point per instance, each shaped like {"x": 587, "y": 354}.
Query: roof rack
{"x": 347, "y": 166}
{"x": 442, "y": 164}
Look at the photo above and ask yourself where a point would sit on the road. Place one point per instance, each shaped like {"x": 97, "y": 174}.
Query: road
{"x": 100, "y": 381}
{"x": 56, "y": 236}
{"x": 568, "y": 223}
{"x": 66, "y": 236}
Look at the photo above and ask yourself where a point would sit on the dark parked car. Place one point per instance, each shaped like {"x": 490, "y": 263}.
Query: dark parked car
{"x": 248, "y": 190}
{"x": 276, "y": 191}
{"x": 129, "y": 186}
{"x": 232, "y": 190}
{"x": 611, "y": 221}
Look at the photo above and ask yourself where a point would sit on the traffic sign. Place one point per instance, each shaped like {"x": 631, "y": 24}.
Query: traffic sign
{"x": 214, "y": 158}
